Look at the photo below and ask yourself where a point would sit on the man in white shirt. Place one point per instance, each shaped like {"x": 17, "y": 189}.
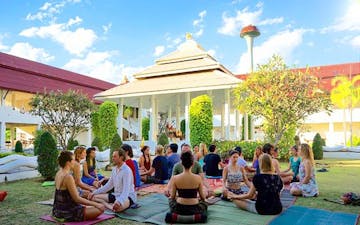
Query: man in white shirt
{"x": 122, "y": 181}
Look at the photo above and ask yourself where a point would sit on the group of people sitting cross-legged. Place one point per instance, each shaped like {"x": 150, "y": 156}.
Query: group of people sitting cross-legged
{"x": 78, "y": 199}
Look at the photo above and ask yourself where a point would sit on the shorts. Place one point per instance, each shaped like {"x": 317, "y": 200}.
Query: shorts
{"x": 236, "y": 191}
{"x": 112, "y": 199}
{"x": 154, "y": 180}
{"x": 181, "y": 209}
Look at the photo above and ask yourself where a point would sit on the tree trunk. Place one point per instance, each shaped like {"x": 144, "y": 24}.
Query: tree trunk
{"x": 344, "y": 125}
{"x": 351, "y": 136}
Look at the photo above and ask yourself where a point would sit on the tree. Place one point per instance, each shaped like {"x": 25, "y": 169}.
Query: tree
{"x": 346, "y": 95}
{"x": 97, "y": 142}
{"x": 65, "y": 115}
{"x": 281, "y": 96}
{"x": 47, "y": 158}
{"x": 108, "y": 113}
{"x": 201, "y": 120}
{"x": 37, "y": 136}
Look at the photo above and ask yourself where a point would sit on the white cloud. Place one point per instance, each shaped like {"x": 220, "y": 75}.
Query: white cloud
{"x": 233, "y": 24}
{"x": 212, "y": 52}
{"x": 3, "y": 47}
{"x": 25, "y": 50}
{"x": 48, "y": 10}
{"x": 75, "y": 42}
{"x": 355, "y": 42}
{"x": 282, "y": 43}
{"x": 199, "y": 24}
{"x": 159, "y": 50}
{"x": 350, "y": 21}
{"x": 100, "y": 65}
{"x": 106, "y": 28}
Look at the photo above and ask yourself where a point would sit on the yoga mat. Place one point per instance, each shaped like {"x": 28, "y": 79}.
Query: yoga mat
{"x": 155, "y": 206}
{"x": 100, "y": 218}
{"x": 47, "y": 202}
{"x": 155, "y": 188}
{"x": 297, "y": 215}
{"x": 48, "y": 183}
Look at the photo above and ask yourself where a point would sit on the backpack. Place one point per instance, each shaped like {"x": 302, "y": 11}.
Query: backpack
{"x": 351, "y": 198}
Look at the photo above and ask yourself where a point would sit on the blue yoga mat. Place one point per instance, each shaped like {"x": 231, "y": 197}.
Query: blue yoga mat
{"x": 299, "y": 215}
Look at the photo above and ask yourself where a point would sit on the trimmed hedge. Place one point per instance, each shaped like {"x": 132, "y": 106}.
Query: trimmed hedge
{"x": 97, "y": 142}
{"x": 201, "y": 120}
{"x": 72, "y": 143}
{"x": 115, "y": 144}
{"x": 95, "y": 123}
{"x": 248, "y": 147}
{"x": 47, "y": 158}
{"x": 145, "y": 128}
{"x": 163, "y": 139}
{"x": 317, "y": 146}
{"x": 18, "y": 147}
{"x": 108, "y": 112}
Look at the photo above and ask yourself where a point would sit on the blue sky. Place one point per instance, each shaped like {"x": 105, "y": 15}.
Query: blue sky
{"x": 111, "y": 38}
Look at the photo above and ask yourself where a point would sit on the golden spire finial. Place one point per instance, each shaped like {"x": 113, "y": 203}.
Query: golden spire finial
{"x": 188, "y": 36}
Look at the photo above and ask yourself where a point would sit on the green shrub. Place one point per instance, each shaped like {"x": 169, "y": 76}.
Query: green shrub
{"x": 18, "y": 147}
{"x": 163, "y": 139}
{"x": 248, "y": 147}
{"x": 115, "y": 144}
{"x": 317, "y": 146}
{"x": 95, "y": 124}
{"x": 201, "y": 120}
{"x": 37, "y": 137}
{"x": 97, "y": 142}
{"x": 108, "y": 113}
{"x": 145, "y": 123}
{"x": 4, "y": 154}
{"x": 182, "y": 127}
{"x": 72, "y": 144}
{"x": 47, "y": 158}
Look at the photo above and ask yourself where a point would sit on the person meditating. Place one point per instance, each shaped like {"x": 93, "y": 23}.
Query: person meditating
{"x": 90, "y": 175}
{"x": 145, "y": 159}
{"x": 187, "y": 185}
{"x": 233, "y": 175}
{"x": 68, "y": 205}
{"x": 307, "y": 186}
{"x": 80, "y": 154}
{"x": 268, "y": 185}
{"x": 294, "y": 163}
{"x": 159, "y": 168}
{"x": 122, "y": 181}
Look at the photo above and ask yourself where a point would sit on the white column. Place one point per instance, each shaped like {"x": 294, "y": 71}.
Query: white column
{"x": 178, "y": 112}
{"x": 140, "y": 118}
{"x": 119, "y": 118}
{"x": 246, "y": 127}
{"x": 237, "y": 126}
{"x": 227, "y": 114}
{"x": 223, "y": 121}
{"x": 187, "y": 117}
{"x": 2, "y": 134}
{"x": 153, "y": 119}
{"x": 157, "y": 116}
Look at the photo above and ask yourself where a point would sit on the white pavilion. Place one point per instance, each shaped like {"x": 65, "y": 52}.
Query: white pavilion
{"x": 168, "y": 87}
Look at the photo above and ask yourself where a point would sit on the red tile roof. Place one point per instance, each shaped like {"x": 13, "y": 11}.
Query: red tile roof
{"x": 28, "y": 76}
{"x": 326, "y": 73}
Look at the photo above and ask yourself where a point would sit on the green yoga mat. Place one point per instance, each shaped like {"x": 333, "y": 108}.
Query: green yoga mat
{"x": 299, "y": 215}
{"x": 154, "y": 208}
{"x": 48, "y": 183}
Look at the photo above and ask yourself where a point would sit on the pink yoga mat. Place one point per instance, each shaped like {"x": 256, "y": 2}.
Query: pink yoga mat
{"x": 100, "y": 218}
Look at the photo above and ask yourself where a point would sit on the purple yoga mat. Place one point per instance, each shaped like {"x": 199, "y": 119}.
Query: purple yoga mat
{"x": 100, "y": 218}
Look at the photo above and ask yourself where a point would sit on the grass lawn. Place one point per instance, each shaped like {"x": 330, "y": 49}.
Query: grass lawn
{"x": 20, "y": 206}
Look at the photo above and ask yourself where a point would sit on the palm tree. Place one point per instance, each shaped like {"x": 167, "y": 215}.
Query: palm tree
{"x": 346, "y": 95}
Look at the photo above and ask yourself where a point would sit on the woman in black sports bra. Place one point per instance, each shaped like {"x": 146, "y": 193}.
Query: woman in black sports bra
{"x": 188, "y": 186}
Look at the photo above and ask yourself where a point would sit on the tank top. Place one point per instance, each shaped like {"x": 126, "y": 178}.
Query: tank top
{"x": 234, "y": 176}
{"x": 188, "y": 193}
{"x": 147, "y": 164}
